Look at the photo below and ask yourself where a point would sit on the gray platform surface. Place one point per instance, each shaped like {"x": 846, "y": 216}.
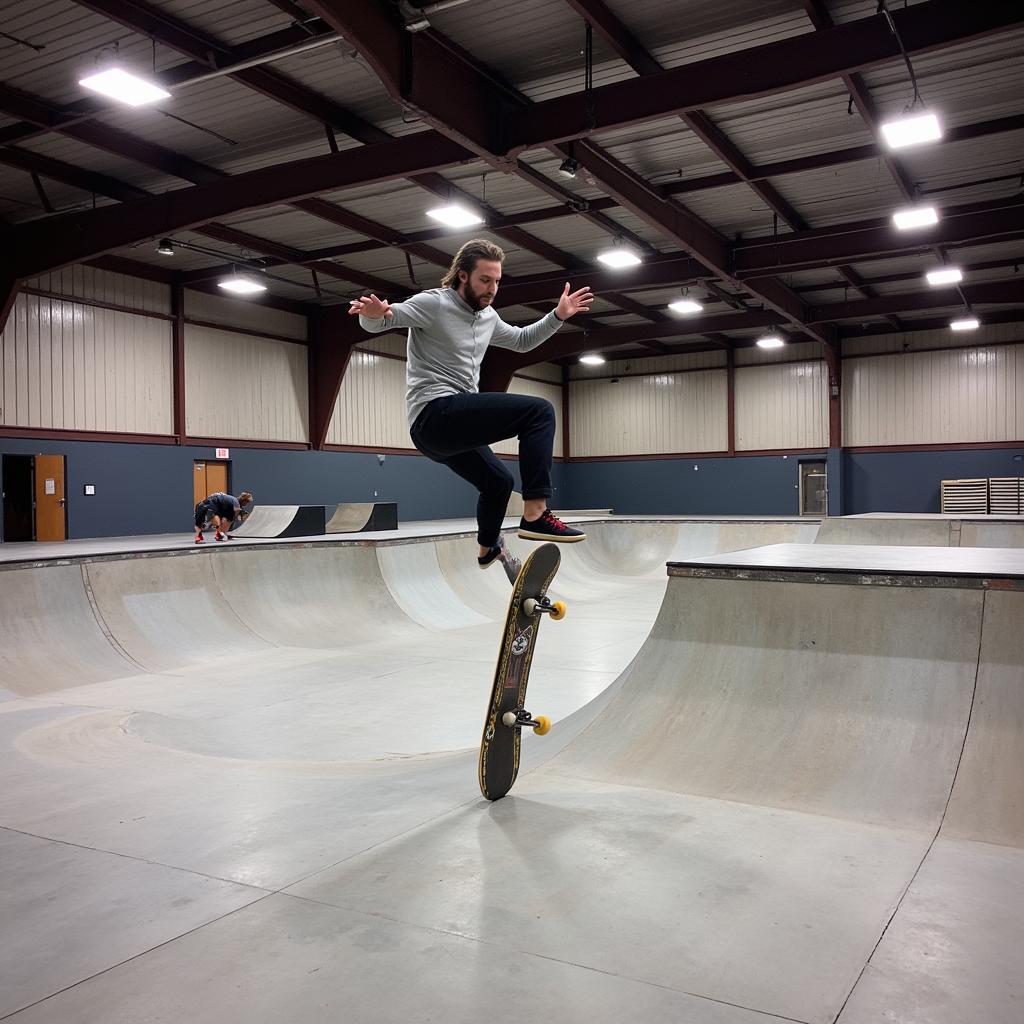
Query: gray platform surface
{"x": 241, "y": 785}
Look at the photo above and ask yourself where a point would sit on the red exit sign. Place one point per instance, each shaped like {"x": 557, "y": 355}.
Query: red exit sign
{"x": 223, "y": 453}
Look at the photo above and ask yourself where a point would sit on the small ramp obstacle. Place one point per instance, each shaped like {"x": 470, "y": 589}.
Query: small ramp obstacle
{"x": 284, "y": 521}
{"x": 364, "y": 517}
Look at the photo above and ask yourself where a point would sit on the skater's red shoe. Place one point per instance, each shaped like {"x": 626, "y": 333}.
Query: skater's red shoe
{"x": 219, "y": 536}
{"x": 200, "y": 539}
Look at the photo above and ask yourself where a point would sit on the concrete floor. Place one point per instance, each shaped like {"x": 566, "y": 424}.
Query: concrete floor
{"x": 240, "y": 784}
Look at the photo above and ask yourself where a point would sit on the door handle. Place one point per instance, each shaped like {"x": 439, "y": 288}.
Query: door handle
{"x": 61, "y": 502}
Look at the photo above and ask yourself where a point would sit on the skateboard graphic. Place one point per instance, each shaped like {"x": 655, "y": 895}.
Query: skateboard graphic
{"x": 506, "y": 712}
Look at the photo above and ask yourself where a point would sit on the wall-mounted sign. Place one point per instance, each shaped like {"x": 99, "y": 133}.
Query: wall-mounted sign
{"x": 223, "y": 453}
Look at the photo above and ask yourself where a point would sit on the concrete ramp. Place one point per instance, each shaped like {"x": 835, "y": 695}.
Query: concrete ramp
{"x": 362, "y": 517}
{"x": 284, "y": 521}
{"x": 847, "y": 701}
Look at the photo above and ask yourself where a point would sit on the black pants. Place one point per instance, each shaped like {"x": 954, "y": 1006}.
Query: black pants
{"x": 455, "y": 430}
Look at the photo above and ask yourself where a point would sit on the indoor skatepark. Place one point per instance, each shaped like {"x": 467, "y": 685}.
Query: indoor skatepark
{"x": 777, "y": 788}
{"x": 734, "y": 288}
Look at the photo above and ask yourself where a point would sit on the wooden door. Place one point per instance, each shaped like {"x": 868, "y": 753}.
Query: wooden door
{"x": 208, "y": 478}
{"x": 216, "y": 477}
{"x": 51, "y": 517}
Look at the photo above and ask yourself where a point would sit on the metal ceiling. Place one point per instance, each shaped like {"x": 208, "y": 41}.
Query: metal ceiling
{"x": 782, "y": 156}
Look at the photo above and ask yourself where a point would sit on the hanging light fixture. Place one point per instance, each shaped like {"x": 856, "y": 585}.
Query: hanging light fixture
{"x": 619, "y": 256}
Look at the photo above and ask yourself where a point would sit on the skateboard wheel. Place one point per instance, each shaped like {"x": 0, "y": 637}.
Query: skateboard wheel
{"x": 530, "y": 606}
{"x": 543, "y": 725}
{"x": 509, "y": 718}
{"x": 558, "y": 610}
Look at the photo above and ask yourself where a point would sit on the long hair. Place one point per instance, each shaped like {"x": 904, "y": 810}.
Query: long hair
{"x": 466, "y": 259}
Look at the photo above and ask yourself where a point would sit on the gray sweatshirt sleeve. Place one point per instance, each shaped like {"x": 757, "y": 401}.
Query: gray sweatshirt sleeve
{"x": 417, "y": 311}
{"x": 522, "y": 339}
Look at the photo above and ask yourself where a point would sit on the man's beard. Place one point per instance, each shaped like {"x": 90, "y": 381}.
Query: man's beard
{"x": 473, "y": 299}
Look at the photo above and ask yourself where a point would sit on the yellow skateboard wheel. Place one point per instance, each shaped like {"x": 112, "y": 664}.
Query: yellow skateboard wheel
{"x": 559, "y": 610}
{"x": 543, "y": 725}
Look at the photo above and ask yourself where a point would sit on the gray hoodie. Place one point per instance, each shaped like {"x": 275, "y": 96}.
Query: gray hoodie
{"x": 447, "y": 342}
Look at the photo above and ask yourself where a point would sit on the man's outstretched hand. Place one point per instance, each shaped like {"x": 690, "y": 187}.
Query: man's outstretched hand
{"x": 370, "y": 306}
{"x": 575, "y": 302}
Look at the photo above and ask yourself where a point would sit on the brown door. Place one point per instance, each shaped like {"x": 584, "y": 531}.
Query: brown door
{"x": 208, "y": 478}
{"x": 50, "y": 500}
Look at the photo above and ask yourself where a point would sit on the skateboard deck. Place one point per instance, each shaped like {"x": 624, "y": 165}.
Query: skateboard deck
{"x": 506, "y": 714}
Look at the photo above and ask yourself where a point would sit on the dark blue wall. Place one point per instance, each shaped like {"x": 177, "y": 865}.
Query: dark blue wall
{"x": 910, "y": 481}
{"x": 754, "y": 485}
{"x": 143, "y": 488}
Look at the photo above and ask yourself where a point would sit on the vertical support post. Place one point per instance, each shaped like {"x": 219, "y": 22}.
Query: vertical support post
{"x": 333, "y": 334}
{"x": 8, "y": 293}
{"x": 178, "y": 360}
{"x": 730, "y": 398}
{"x": 566, "y": 383}
{"x": 834, "y": 459}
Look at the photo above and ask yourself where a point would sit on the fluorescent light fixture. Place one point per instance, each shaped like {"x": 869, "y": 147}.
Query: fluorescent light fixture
{"x": 122, "y": 85}
{"x": 915, "y": 217}
{"x": 911, "y": 131}
{"x": 619, "y": 256}
{"x": 592, "y": 360}
{"x": 770, "y": 341}
{"x": 945, "y": 275}
{"x": 239, "y": 285}
{"x": 685, "y": 306}
{"x": 455, "y": 216}
{"x": 166, "y": 247}
{"x": 967, "y": 323}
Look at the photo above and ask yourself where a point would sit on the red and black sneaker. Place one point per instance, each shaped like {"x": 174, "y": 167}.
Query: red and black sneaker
{"x": 549, "y": 527}
{"x": 200, "y": 539}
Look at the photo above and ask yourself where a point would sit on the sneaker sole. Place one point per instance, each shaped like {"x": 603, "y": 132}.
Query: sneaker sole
{"x": 529, "y": 535}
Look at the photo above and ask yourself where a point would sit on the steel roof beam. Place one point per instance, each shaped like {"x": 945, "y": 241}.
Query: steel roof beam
{"x": 755, "y": 71}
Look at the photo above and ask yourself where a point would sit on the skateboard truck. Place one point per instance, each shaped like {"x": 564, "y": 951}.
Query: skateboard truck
{"x": 522, "y": 719}
{"x": 544, "y": 605}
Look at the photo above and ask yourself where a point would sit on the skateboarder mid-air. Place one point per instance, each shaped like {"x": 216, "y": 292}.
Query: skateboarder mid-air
{"x": 449, "y": 420}
{"x": 220, "y": 510}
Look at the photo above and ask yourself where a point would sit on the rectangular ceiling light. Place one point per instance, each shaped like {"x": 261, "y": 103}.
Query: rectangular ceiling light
{"x": 911, "y": 131}
{"x": 946, "y": 275}
{"x": 455, "y": 216}
{"x": 239, "y": 285}
{"x": 685, "y": 306}
{"x": 967, "y": 323}
{"x": 619, "y": 257}
{"x": 592, "y": 360}
{"x": 915, "y": 217}
{"x": 121, "y": 85}
{"x": 770, "y": 341}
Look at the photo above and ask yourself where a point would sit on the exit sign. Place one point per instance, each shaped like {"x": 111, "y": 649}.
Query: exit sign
{"x": 223, "y": 453}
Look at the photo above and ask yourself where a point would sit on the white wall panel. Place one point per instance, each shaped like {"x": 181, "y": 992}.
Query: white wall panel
{"x": 942, "y": 338}
{"x": 245, "y": 387}
{"x": 551, "y": 392}
{"x": 245, "y": 315}
{"x": 80, "y": 282}
{"x": 370, "y": 410}
{"x": 661, "y": 413}
{"x": 966, "y": 395}
{"x": 781, "y": 406}
{"x": 68, "y": 366}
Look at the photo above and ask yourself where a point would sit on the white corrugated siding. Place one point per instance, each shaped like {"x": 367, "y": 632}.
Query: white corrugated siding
{"x": 245, "y": 315}
{"x": 370, "y": 410}
{"x": 71, "y": 367}
{"x": 782, "y": 406}
{"x": 81, "y": 282}
{"x": 553, "y": 393}
{"x": 244, "y": 387}
{"x": 660, "y": 413}
{"x": 968, "y": 395}
{"x": 68, "y": 366}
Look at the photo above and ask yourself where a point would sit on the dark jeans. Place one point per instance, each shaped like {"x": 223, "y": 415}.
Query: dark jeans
{"x": 455, "y": 430}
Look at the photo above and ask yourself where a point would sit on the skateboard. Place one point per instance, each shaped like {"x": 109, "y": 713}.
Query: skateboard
{"x": 506, "y": 712}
